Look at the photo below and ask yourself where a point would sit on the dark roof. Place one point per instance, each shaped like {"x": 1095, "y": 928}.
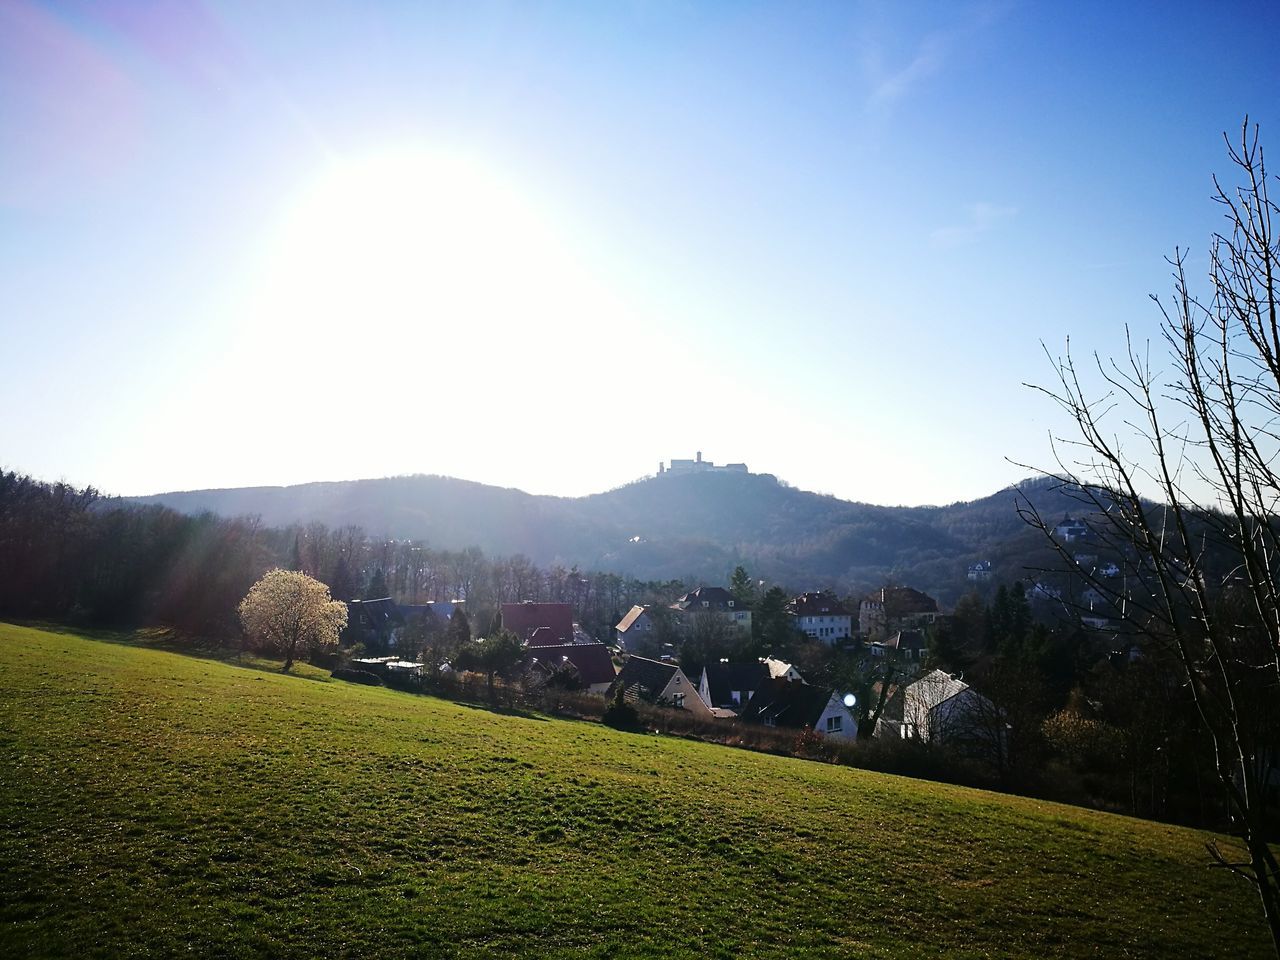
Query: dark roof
{"x": 902, "y": 601}
{"x": 787, "y": 703}
{"x": 592, "y": 660}
{"x": 716, "y": 598}
{"x": 723, "y": 678}
{"x": 817, "y": 605}
{"x": 907, "y": 640}
{"x": 379, "y": 613}
{"x": 650, "y": 675}
{"x": 524, "y": 618}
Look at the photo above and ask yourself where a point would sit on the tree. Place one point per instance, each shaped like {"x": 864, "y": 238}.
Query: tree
{"x": 459, "y": 631}
{"x": 495, "y": 655}
{"x": 1177, "y": 472}
{"x": 743, "y": 587}
{"x": 774, "y": 628}
{"x": 377, "y": 588}
{"x": 288, "y": 612}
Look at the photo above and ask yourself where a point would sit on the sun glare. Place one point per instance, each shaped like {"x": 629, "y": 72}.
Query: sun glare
{"x": 419, "y": 248}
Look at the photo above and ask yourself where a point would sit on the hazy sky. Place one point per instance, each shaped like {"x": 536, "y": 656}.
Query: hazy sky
{"x": 548, "y": 245}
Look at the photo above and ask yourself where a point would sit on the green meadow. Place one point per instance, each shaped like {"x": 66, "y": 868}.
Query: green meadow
{"x": 154, "y": 804}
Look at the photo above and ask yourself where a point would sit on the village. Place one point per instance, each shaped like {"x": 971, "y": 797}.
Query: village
{"x": 648, "y": 658}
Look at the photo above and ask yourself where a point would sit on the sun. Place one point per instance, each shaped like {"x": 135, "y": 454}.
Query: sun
{"x": 416, "y": 246}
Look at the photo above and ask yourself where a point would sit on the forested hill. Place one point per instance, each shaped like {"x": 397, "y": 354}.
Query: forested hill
{"x": 697, "y": 526}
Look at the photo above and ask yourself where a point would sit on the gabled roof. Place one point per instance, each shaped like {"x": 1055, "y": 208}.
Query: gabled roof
{"x": 777, "y": 668}
{"x": 652, "y": 676}
{"x": 816, "y": 605}
{"x": 716, "y": 598}
{"x": 903, "y": 601}
{"x": 788, "y": 704}
{"x": 723, "y": 678}
{"x": 593, "y": 661}
{"x": 940, "y": 686}
{"x": 632, "y": 616}
{"x": 906, "y": 640}
{"x": 382, "y": 612}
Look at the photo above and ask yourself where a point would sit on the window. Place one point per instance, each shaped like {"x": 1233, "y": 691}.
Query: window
{"x": 735, "y": 696}
{"x": 730, "y": 603}
{"x": 835, "y": 724}
{"x": 706, "y": 603}
{"x": 677, "y": 701}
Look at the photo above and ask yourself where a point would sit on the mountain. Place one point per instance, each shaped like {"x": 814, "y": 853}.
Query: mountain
{"x": 694, "y": 525}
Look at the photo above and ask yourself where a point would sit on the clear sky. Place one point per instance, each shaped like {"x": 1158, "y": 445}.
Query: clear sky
{"x": 547, "y": 245}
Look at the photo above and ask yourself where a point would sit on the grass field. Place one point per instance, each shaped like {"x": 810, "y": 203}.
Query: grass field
{"x": 153, "y": 804}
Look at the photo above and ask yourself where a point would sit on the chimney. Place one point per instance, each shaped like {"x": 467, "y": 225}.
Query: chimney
{"x": 699, "y": 456}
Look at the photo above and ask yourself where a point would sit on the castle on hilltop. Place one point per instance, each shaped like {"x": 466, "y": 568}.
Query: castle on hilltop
{"x": 700, "y": 466}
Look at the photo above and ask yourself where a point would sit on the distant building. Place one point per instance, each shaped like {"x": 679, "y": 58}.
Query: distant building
{"x": 714, "y": 600}
{"x": 699, "y": 465}
{"x": 905, "y": 645}
{"x": 979, "y": 572}
{"x": 1069, "y": 530}
{"x": 551, "y": 622}
{"x": 634, "y": 628}
{"x": 895, "y": 608}
{"x": 821, "y": 617}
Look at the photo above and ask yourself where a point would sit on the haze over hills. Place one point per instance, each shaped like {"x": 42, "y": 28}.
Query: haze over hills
{"x": 676, "y": 525}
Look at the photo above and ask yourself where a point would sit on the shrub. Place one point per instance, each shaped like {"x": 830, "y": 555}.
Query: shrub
{"x": 620, "y": 714}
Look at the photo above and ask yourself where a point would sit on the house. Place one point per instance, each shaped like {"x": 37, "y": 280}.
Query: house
{"x": 730, "y": 685}
{"x": 895, "y": 608}
{"x": 979, "y": 572}
{"x": 905, "y": 645}
{"x": 442, "y": 610}
{"x": 714, "y": 600}
{"x": 821, "y": 617}
{"x": 660, "y": 683}
{"x": 798, "y": 706}
{"x": 1069, "y": 530}
{"x": 780, "y": 670}
{"x": 375, "y": 623}
{"x": 553, "y": 622}
{"x": 635, "y": 627}
{"x": 591, "y": 662}
{"x": 935, "y": 708}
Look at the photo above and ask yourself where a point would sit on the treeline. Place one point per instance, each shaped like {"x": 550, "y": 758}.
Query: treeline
{"x": 70, "y": 554}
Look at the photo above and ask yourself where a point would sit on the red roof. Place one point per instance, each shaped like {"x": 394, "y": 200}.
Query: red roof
{"x": 523, "y": 619}
{"x": 593, "y": 660}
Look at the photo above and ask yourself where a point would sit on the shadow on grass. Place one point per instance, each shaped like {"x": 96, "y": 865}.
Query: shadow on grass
{"x": 171, "y": 641}
{"x": 498, "y": 709}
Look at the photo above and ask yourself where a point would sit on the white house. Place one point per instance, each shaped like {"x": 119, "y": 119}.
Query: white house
{"x": 939, "y": 707}
{"x": 821, "y": 617}
{"x": 714, "y": 600}
{"x": 783, "y": 703}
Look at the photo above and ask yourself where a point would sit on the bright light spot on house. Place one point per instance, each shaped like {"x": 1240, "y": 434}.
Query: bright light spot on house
{"x": 850, "y": 699}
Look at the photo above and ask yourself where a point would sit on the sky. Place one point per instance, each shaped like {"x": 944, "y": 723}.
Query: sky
{"x": 548, "y": 245}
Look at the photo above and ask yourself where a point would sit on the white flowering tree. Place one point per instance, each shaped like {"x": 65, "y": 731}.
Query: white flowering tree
{"x": 291, "y": 613}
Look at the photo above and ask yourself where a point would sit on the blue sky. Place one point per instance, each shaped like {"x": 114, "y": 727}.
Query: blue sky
{"x": 548, "y": 245}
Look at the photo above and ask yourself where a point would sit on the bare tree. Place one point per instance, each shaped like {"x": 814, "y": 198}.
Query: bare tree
{"x": 1177, "y": 473}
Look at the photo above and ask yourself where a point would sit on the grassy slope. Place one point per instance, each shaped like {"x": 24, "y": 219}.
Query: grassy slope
{"x": 153, "y": 804}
